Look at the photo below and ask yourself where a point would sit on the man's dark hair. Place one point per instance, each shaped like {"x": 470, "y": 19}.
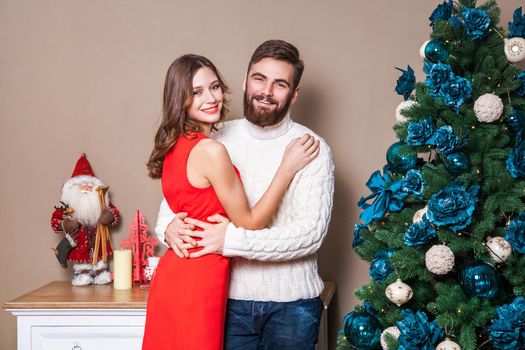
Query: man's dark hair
{"x": 282, "y": 51}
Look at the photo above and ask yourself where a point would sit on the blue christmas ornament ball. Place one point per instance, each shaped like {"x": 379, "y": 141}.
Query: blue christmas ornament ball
{"x": 516, "y": 121}
{"x": 479, "y": 279}
{"x": 457, "y": 163}
{"x": 362, "y": 330}
{"x": 401, "y": 158}
{"x": 436, "y": 51}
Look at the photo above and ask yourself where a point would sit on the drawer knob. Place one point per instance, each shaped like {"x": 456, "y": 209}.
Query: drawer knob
{"x": 76, "y": 346}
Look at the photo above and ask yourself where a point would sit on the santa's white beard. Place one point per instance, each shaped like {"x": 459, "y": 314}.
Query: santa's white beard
{"x": 86, "y": 204}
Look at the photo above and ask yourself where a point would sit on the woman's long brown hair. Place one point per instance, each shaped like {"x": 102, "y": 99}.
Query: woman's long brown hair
{"x": 178, "y": 96}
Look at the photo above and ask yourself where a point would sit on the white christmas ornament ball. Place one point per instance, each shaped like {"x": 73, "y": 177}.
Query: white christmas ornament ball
{"x": 448, "y": 344}
{"x": 439, "y": 259}
{"x": 392, "y": 331}
{"x": 418, "y": 215}
{"x": 499, "y": 248}
{"x": 515, "y": 49}
{"x": 488, "y": 108}
{"x": 422, "y": 49}
{"x": 405, "y": 104}
{"x": 398, "y": 292}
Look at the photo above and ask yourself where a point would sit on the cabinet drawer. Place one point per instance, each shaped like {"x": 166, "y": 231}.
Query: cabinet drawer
{"x": 86, "y": 337}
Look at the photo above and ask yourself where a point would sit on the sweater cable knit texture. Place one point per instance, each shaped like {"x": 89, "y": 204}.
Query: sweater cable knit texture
{"x": 278, "y": 263}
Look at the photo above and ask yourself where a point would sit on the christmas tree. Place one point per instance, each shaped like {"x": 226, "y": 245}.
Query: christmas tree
{"x": 444, "y": 224}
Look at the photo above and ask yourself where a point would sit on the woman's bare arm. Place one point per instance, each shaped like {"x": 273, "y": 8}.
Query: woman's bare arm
{"x": 209, "y": 161}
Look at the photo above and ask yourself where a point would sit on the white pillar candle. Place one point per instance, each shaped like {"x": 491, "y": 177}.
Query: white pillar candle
{"x": 122, "y": 269}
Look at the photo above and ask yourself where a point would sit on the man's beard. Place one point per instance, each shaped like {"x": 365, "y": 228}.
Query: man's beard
{"x": 86, "y": 204}
{"x": 263, "y": 117}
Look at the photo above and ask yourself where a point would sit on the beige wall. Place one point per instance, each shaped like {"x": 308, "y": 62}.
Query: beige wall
{"x": 86, "y": 76}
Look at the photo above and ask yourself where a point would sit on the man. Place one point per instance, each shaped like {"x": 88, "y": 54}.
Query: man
{"x": 274, "y": 289}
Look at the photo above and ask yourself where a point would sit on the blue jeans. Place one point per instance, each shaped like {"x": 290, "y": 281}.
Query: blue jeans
{"x": 258, "y": 325}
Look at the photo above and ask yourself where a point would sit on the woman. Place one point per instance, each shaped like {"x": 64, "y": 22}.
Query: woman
{"x": 187, "y": 301}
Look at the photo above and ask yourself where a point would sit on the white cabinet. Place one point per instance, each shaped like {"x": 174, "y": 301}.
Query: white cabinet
{"x": 80, "y": 329}
{"x": 59, "y": 316}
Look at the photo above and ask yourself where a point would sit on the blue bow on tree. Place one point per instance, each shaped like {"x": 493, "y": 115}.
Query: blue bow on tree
{"x": 386, "y": 196}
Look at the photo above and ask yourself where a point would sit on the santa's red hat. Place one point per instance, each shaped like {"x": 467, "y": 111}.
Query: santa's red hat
{"x": 83, "y": 167}
{"x": 83, "y": 174}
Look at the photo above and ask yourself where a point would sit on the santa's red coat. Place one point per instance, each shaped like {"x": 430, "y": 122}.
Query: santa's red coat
{"x": 85, "y": 237}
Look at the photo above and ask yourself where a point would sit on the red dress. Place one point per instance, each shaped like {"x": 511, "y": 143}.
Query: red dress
{"x": 187, "y": 300}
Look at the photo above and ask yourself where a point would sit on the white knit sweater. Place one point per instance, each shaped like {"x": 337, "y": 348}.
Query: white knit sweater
{"x": 278, "y": 263}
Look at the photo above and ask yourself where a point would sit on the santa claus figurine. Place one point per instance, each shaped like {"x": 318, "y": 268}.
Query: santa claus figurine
{"x": 77, "y": 219}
